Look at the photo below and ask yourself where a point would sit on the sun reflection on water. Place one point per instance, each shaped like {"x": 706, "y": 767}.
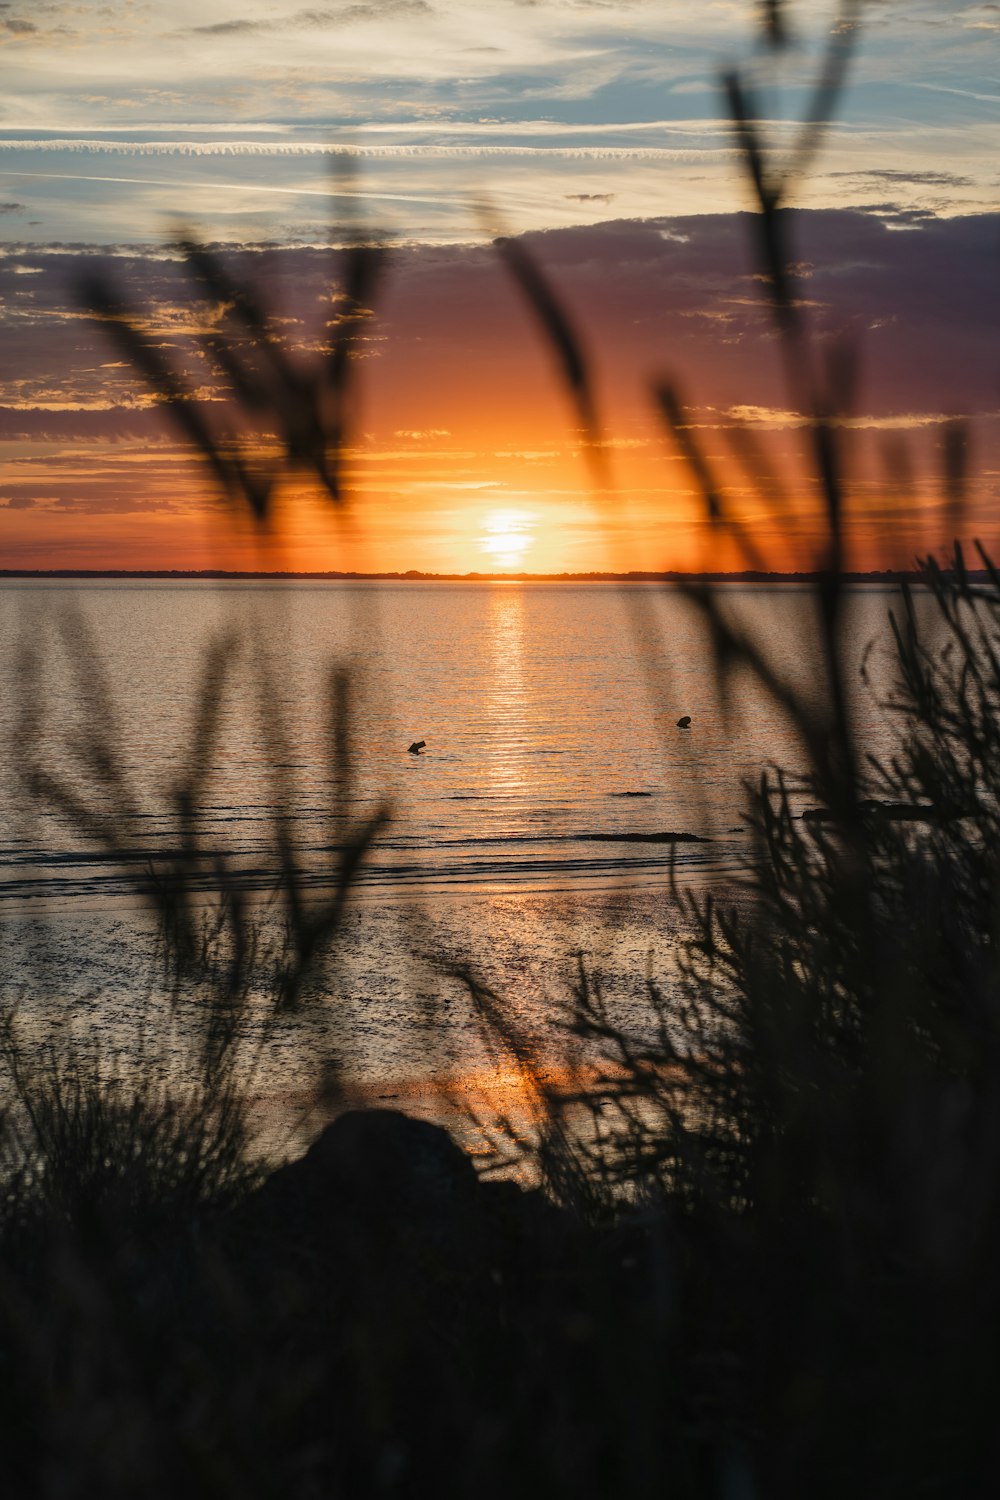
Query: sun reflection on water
{"x": 506, "y": 698}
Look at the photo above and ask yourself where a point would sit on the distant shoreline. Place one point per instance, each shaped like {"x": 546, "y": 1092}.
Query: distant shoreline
{"x": 893, "y": 576}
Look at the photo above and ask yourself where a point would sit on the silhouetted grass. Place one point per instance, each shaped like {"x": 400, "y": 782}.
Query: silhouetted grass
{"x": 762, "y": 1258}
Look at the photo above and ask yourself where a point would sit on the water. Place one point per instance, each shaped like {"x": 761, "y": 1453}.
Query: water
{"x": 532, "y": 827}
{"x": 549, "y": 713}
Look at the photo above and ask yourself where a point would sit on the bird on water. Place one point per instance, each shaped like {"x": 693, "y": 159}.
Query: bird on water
{"x": 416, "y": 747}
{"x": 684, "y": 722}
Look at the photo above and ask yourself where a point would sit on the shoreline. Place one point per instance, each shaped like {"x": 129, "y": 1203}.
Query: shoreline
{"x": 709, "y": 861}
{"x": 890, "y": 577}
{"x": 43, "y": 907}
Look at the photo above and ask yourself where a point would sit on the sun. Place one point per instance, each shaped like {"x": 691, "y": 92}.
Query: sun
{"x": 505, "y": 536}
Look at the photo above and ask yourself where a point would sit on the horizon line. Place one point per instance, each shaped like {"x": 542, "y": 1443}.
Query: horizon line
{"x": 415, "y": 575}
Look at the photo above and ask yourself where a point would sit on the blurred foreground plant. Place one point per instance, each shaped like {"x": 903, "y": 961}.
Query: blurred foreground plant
{"x": 811, "y": 1114}
{"x": 771, "y": 1267}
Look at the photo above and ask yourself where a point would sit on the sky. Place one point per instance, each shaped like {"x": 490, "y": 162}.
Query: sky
{"x": 596, "y": 131}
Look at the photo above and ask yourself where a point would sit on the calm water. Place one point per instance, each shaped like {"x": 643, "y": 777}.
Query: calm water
{"x": 546, "y": 710}
{"x": 549, "y": 714}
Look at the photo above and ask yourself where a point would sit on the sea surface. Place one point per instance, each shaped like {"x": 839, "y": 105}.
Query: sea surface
{"x": 535, "y": 827}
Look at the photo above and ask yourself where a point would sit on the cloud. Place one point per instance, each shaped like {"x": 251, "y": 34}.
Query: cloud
{"x": 911, "y": 177}
{"x": 980, "y": 17}
{"x": 900, "y": 214}
{"x": 319, "y": 20}
{"x": 101, "y": 424}
{"x": 458, "y": 347}
{"x": 74, "y": 502}
{"x": 961, "y": 93}
{"x": 233, "y": 28}
{"x": 779, "y": 418}
{"x": 441, "y": 149}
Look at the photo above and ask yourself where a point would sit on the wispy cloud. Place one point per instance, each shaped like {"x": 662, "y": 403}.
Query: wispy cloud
{"x": 324, "y": 19}
{"x": 480, "y": 139}
{"x": 777, "y": 419}
{"x": 688, "y": 295}
{"x": 554, "y": 109}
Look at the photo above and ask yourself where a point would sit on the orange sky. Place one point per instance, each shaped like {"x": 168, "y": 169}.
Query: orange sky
{"x": 465, "y": 452}
{"x": 601, "y": 134}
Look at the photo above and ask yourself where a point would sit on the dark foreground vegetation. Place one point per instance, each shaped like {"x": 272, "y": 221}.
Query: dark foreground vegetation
{"x": 761, "y": 1257}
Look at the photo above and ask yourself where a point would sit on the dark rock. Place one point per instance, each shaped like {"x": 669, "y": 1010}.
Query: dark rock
{"x": 370, "y": 1175}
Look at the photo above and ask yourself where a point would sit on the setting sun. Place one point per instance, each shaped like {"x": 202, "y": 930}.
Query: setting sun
{"x": 506, "y": 536}
{"x": 499, "y": 589}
